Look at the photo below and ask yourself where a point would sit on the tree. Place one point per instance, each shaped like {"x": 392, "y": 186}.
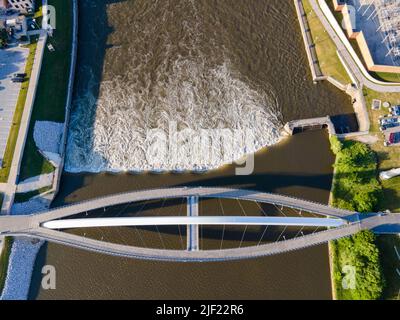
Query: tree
{"x": 3, "y": 37}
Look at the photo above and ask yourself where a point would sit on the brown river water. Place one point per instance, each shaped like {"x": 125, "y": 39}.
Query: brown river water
{"x": 138, "y": 60}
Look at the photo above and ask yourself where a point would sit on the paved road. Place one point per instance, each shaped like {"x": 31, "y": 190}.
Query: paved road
{"x": 29, "y": 226}
{"x": 12, "y": 60}
{"x": 351, "y": 64}
{"x": 24, "y": 127}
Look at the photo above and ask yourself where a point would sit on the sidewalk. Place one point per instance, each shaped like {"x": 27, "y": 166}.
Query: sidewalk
{"x": 11, "y": 187}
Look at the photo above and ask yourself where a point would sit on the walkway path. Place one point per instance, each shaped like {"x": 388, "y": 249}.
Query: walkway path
{"x": 184, "y": 192}
{"x": 37, "y": 226}
{"x": 28, "y": 225}
{"x": 36, "y": 183}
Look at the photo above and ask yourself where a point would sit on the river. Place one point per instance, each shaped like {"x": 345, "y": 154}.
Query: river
{"x": 158, "y": 53}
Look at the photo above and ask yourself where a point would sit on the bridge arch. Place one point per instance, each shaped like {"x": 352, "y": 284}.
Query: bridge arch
{"x": 40, "y": 225}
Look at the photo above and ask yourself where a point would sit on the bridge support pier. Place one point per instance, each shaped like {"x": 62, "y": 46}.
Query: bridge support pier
{"x": 192, "y": 234}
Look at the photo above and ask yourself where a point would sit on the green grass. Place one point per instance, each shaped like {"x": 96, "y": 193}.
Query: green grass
{"x": 26, "y": 196}
{"x": 4, "y": 258}
{"x": 386, "y": 77}
{"x": 388, "y": 157}
{"x": 52, "y": 89}
{"x": 329, "y": 61}
{"x": 355, "y": 186}
{"x": 390, "y": 262}
{"x": 19, "y": 109}
{"x": 382, "y": 76}
{"x": 361, "y": 252}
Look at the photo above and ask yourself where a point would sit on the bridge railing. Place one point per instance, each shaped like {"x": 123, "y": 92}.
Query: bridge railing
{"x": 217, "y": 194}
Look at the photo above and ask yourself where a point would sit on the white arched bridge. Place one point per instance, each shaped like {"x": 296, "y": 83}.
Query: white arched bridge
{"x": 339, "y": 223}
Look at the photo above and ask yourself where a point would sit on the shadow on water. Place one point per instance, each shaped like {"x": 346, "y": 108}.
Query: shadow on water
{"x": 301, "y": 166}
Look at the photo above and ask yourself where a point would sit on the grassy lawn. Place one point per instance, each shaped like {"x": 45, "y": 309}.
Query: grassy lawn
{"x": 12, "y": 138}
{"x": 4, "y": 257}
{"x": 388, "y": 157}
{"x": 52, "y": 88}
{"x": 390, "y": 262}
{"x": 385, "y": 76}
{"x": 326, "y": 50}
{"x": 355, "y": 187}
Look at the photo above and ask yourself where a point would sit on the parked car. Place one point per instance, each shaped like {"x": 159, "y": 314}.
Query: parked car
{"x": 395, "y": 110}
{"x": 19, "y": 75}
{"x": 389, "y": 122}
{"x": 394, "y": 137}
{"x": 17, "y": 79}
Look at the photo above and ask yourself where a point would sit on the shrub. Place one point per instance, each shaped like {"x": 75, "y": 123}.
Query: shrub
{"x": 356, "y": 188}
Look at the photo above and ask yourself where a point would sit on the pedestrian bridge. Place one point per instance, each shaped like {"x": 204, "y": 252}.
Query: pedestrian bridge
{"x": 339, "y": 223}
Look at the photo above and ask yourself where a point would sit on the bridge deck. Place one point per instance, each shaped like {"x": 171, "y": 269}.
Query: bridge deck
{"x": 184, "y": 192}
{"x": 192, "y": 221}
{"x": 32, "y": 225}
{"x": 212, "y": 255}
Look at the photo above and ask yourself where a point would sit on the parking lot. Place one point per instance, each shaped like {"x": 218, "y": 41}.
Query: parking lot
{"x": 12, "y": 61}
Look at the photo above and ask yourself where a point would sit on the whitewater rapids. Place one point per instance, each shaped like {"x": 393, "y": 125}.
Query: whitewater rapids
{"x": 188, "y": 88}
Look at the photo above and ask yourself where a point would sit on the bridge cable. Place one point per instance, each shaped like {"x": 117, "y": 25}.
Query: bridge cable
{"x": 159, "y": 233}
{"x": 118, "y": 229}
{"x": 223, "y": 226}
{"x": 136, "y": 229}
{"x": 297, "y": 234}
{"x": 264, "y": 213}
{"x": 201, "y": 226}
{"x": 279, "y": 209}
{"x": 315, "y": 230}
{"x": 262, "y": 236}
{"x": 97, "y": 229}
{"x": 266, "y": 227}
{"x": 179, "y": 227}
{"x": 245, "y": 229}
{"x": 284, "y": 229}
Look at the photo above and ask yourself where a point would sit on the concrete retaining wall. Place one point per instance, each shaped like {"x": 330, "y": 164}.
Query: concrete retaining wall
{"x": 308, "y": 42}
{"x": 74, "y": 51}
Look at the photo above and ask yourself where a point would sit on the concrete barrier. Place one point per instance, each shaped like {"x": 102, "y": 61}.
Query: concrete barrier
{"x": 308, "y": 42}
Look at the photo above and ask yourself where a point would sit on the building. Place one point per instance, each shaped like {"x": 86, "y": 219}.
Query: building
{"x": 23, "y": 6}
{"x": 3, "y": 4}
{"x": 375, "y": 27}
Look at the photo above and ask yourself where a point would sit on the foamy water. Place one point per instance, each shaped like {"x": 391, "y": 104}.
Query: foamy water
{"x": 118, "y": 139}
{"x": 186, "y": 82}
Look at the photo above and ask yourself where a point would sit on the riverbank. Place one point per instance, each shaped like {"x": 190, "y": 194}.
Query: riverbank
{"x": 355, "y": 187}
{"x": 86, "y": 275}
{"x": 325, "y": 48}
{"x": 387, "y": 158}
{"x": 55, "y": 77}
{"x": 326, "y": 59}
{"x": 4, "y": 260}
